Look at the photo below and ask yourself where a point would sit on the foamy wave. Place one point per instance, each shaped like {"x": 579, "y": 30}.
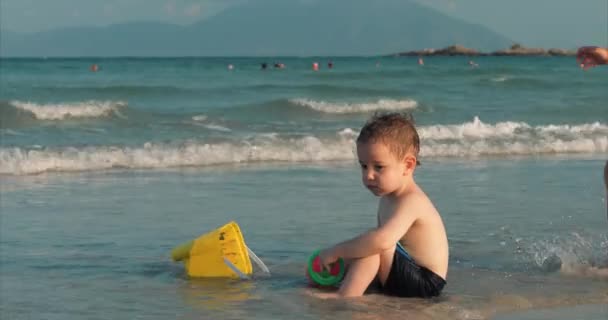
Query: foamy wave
{"x": 200, "y": 117}
{"x": 200, "y": 120}
{"x": 216, "y": 127}
{"x": 472, "y": 130}
{"x": 331, "y": 107}
{"x": 511, "y": 138}
{"x": 500, "y": 79}
{"x": 470, "y": 139}
{"x": 11, "y": 132}
{"x": 86, "y": 109}
{"x": 152, "y": 155}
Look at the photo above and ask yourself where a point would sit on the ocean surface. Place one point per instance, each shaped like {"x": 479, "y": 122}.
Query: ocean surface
{"x": 103, "y": 173}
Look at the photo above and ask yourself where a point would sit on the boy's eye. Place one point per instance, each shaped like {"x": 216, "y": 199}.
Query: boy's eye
{"x": 363, "y": 166}
{"x": 378, "y": 168}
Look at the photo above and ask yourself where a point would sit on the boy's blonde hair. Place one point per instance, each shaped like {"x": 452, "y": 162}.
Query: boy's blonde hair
{"x": 395, "y": 130}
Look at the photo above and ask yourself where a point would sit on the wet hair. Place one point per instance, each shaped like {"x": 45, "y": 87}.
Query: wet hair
{"x": 395, "y": 130}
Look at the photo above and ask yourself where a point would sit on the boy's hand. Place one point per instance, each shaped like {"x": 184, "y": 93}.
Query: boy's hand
{"x": 327, "y": 257}
{"x": 588, "y": 57}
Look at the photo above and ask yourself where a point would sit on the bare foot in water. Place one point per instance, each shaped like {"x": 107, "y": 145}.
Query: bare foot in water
{"x": 321, "y": 294}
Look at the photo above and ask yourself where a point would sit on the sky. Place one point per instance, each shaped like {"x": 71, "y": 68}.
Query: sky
{"x": 42, "y": 15}
{"x": 540, "y": 23}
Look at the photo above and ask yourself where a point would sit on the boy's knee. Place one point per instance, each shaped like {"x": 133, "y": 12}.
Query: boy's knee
{"x": 388, "y": 253}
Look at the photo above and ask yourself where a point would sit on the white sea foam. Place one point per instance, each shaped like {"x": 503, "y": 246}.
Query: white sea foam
{"x": 512, "y": 138}
{"x": 151, "y": 155}
{"x": 572, "y": 253}
{"x": 469, "y": 139}
{"x": 11, "y": 132}
{"x": 500, "y": 79}
{"x": 335, "y": 107}
{"x": 84, "y": 109}
{"x": 217, "y": 127}
{"x": 200, "y": 117}
{"x": 472, "y": 130}
{"x": 201, "y": 121}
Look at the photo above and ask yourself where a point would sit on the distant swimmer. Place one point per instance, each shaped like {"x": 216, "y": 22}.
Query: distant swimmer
{"x": 230, "y": 67}
{"x": 94, "y": 68}
{"x": 315, "y": 66}
{"x": 473, "y": 64}
{"x": 420, "y": 61}
{"x": 330, "y": 64}
{"x": 589, "y": 57}
{"x": 279, "y": 65}
{"x": 264, "y": 66}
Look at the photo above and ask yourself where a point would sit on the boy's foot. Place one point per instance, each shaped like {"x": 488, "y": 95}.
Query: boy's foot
{"x": 320, "y": 295}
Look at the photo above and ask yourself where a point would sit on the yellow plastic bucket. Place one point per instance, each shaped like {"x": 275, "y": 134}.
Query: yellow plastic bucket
{"x": 219, "y": 253}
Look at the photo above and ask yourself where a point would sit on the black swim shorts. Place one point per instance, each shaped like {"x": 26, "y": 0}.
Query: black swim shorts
{"x": 407, "y": 279}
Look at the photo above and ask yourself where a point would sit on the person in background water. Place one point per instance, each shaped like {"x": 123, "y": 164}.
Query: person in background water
{"x": 606, "y": 186}
{"x": 589, "y": 57}
{"x": 330, "y": 64}
{"x": 420, "y": 61}
{"x": 602, "y": 272}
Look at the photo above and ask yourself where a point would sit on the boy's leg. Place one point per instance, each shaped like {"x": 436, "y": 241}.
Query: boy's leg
{"x": 386, "y": 263}
{"x": 361, "y": 272}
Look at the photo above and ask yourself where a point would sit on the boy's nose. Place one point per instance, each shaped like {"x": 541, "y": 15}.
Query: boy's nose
{"x": 369, "y": 175}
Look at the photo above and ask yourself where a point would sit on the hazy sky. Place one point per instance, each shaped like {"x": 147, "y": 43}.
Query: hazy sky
{"x": 545, "y": 23}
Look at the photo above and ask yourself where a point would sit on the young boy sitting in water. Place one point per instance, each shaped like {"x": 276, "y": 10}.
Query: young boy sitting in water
{"x": 408, "y": 251}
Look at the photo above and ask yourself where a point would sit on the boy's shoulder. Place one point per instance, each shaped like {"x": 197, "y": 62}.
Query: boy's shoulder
{"x": 415, "y": 195}
{"x": 416, "y": 200}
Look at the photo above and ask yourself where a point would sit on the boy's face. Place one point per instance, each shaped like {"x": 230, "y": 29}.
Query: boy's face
{"x": 381, "y": 171}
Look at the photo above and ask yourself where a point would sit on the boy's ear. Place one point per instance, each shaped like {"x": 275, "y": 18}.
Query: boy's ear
{"x": 410, "y": 164}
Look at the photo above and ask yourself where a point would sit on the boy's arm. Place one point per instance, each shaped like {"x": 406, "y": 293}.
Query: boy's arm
{"x": 376, "y": 240}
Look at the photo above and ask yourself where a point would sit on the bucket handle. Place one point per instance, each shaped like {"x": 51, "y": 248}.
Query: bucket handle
{"x": 258, "y": 261}
{"x": 235, "y": 269}
{"x": 253, "y": 257}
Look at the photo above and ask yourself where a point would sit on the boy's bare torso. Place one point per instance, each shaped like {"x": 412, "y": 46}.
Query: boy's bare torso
{"x": 426, "y": 240}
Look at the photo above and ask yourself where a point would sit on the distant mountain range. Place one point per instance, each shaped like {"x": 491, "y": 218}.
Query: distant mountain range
{"x": 268, "y": 28}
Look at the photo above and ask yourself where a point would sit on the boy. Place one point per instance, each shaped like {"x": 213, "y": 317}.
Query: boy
{"x": 408, "y": 251}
